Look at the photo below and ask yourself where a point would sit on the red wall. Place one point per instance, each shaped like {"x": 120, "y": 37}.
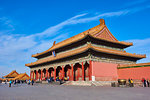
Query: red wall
{"x": 134, "y": 73}
{"x": 104, "y": 71}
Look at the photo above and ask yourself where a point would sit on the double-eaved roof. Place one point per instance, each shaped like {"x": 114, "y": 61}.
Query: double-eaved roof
{"x": 99, "y": 32}
{"x": 83, "y": 49}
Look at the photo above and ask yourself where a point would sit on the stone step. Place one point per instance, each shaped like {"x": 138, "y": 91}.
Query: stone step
{"x": 44, "y": 82}
{"x": 79, "y": 83}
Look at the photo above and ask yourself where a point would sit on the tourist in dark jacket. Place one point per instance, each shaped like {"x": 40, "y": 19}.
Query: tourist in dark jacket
{"x": 144, "y": 82}
{"x": 32, "y": 81}
{"x": 129, "y": 82}
{"x": 147, "y": 82}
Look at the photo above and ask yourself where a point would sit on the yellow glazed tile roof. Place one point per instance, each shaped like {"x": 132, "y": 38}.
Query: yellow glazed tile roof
{"x": 130, "y": 65}
{"x": 92, "y": 32}
{"x": 20, "y": 77}
{"x": 11, "y": 74}
{"x": 83, "y": 49}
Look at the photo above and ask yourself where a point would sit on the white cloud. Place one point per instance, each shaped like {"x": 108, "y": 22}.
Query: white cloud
{"x": 136, "y": 2}
{"x": 4, "y": 21}
{"x": 140, "y": 46}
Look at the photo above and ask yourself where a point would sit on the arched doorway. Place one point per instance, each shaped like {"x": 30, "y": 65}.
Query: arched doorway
{"x": 58, "y": 71}
{"x": 50, "y": 72}
{"x": 39, "y": 74}
{"x": 34, "y": 75}
{"x": 44, "y": 74}
{"x": 77, "y": 72}
{"x": 67, "y": 71}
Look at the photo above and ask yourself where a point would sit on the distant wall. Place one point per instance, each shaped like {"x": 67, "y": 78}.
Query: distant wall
{"x": 134, "y": 73}
{"x": 104, "y": 71}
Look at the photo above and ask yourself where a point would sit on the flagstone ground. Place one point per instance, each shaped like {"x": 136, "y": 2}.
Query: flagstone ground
{"x": 56, "y": 92}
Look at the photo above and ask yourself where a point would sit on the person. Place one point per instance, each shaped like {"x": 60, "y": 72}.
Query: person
{"x": 10, "y": 83}
{"x": 142, "y": 81}
{"x": 131, "y": 82}
{"x": 52, "y": 78}
{"x": 32, "y": 81}
{"x": 65, "y": 78}
{"x": 14, "y": 82}
{"x": 57, "y": 79}
{"x": 29, "y": 82}
{"x": 147, "y": 82}
{"x": 68, "y": 78}
{"x": 60, "y": 80}
{"x": 5, "y": 81}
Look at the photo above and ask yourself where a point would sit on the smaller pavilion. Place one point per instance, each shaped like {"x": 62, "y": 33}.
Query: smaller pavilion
{"x": 16, "y": 76}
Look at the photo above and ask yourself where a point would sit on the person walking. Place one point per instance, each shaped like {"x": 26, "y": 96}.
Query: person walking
{"x": 10, "y": 83}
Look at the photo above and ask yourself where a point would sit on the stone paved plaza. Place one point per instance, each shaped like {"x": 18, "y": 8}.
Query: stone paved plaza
{"x": 56, "y": 92}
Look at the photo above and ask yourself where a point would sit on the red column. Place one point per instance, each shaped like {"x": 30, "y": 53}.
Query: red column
{"x": 41, "y": 74}
{"x": 62, "y": 72}
{"x": 36, "y": 75}
{"x": 72, "y": 77}
{"x": 46, "y": 73}
{"x": 33, "y": 75}
{"x": 90, "y": 70}
{"x": 30, "y": 74}
{"x": 54, "y": 73}
{"x": 82, "y": 72}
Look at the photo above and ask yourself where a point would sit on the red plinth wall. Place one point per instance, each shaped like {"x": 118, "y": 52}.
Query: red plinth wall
{"x": 134, "y": 73}
{"x": 104, "y": 71}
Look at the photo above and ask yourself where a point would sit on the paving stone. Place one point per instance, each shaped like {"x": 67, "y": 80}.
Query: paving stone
{"x": 63, "y": 92}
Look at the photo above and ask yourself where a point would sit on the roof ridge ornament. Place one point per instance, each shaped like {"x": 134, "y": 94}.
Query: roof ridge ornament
{"x": 54, "y": 43}
{"x": 102, "y": 21}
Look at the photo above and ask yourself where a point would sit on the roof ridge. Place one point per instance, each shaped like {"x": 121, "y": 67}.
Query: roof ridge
{"x": 81, "y": 35}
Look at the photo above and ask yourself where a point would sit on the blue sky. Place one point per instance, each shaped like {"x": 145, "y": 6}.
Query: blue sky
{"x": 31, "y": 26}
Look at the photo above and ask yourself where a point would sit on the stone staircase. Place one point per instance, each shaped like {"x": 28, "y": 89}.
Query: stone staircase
{"x": 89, "y": 83}
{"x": 82, "y": 83}
{"x": 78, "y": 83}
{"x": 102, "y": 83}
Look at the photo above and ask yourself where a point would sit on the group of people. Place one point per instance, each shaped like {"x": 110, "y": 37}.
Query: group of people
{"x": 14, "y": 82}
{"x": 145, "y": 82}
{"x": 30, "y": 82}
{"x": 51, "y": 79}
{"x": 19, "y": 81}
{"x": 130, "y": 82}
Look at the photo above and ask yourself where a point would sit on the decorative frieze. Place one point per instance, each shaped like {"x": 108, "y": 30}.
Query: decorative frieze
{"x": 111, "y": 60}
{"x": 107, "y": 47}
{"x": 64, "y": 63}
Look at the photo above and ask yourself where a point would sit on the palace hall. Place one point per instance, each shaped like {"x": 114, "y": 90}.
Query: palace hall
{"x": 93, "y": 55}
